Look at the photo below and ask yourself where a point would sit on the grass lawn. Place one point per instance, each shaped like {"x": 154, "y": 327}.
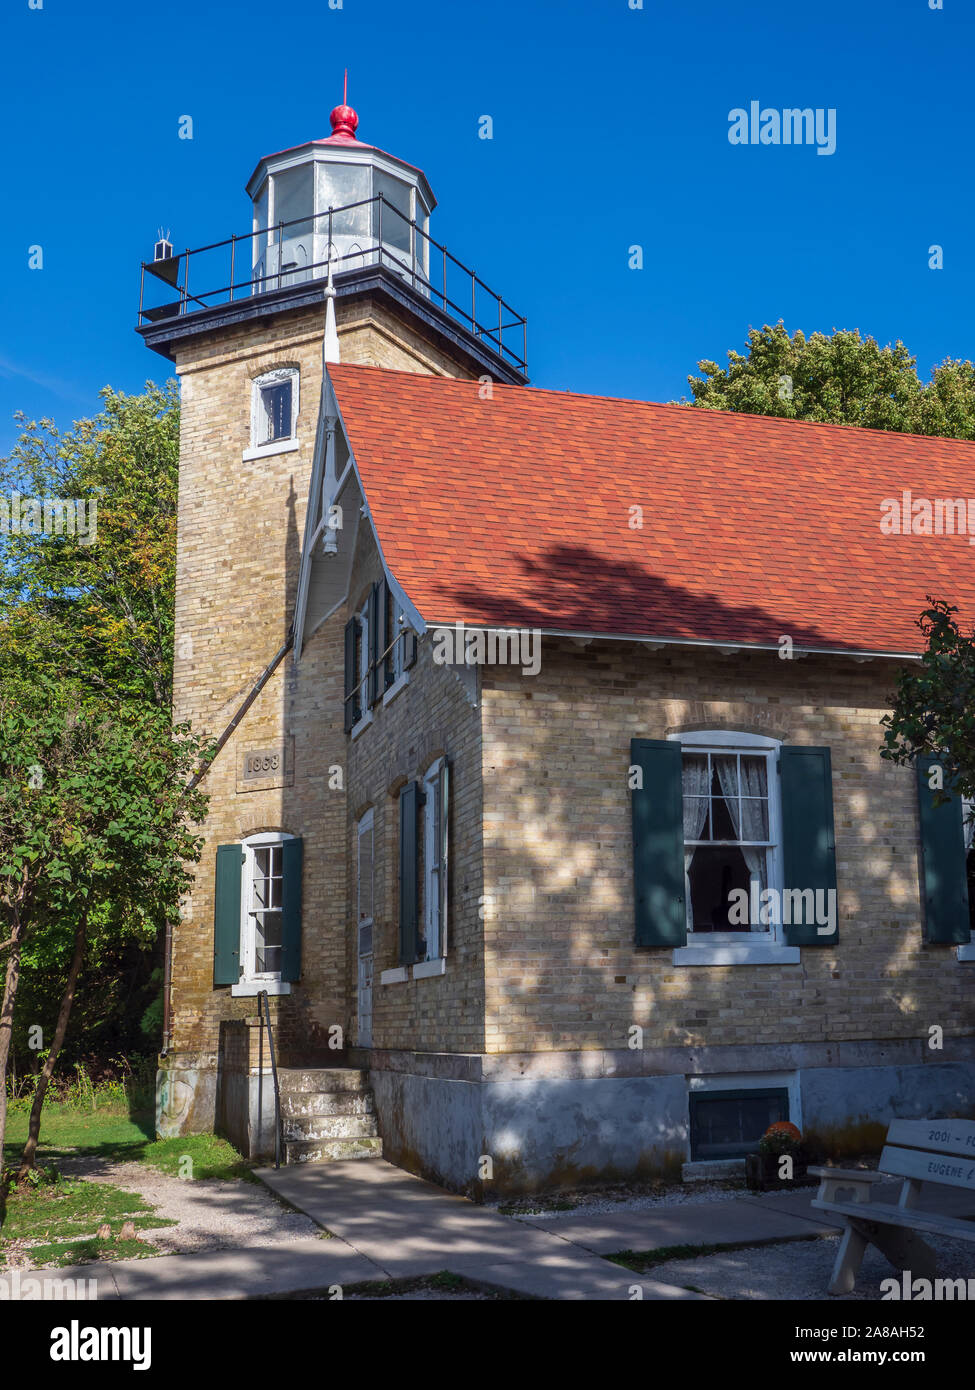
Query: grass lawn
{"x": 69, "y": 1132}
{"x": 56, "y": 1222}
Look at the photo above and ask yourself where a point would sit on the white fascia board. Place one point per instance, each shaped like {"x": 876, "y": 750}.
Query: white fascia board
{"x": 657, "y": 641}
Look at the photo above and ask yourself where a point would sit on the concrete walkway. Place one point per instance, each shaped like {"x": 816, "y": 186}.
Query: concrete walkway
{"x": 408, "y": 1227}
{"x": 387, "y": 1224}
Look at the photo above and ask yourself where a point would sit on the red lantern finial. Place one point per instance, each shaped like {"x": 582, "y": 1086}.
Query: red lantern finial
{"x": 344, "y": 119}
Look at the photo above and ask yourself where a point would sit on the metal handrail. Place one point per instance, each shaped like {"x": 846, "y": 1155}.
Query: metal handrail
{"x": 264, "y": 1012}
{"x": 260, "y": 284}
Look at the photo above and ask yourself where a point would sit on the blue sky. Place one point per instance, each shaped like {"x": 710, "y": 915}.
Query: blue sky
{"x": 610, "y": 130}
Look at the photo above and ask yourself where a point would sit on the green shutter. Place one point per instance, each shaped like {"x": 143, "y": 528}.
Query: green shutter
{"x": 388, "y": 625}
{"x": 944, "y": 880}
{"x": 351, "y": 675}
{"x": 409, "y": 871}
{"x": 291, "y": 858}
{"x": 658, "y": 843}
{"x": 374, "y": 646}
{"x": 226, "y": 915}
{"x": 808, "y": 845}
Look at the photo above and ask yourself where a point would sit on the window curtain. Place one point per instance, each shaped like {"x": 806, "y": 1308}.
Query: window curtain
{"x": 695, "y": 792}
{"x": 746, "y": 816}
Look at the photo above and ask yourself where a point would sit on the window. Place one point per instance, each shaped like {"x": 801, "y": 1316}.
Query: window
{"x": 729, "y": 1124}
{"x": 423, "y": 879}
{"x": 257, "y": 913}
{"x": 730, "y": 839}
{"x": 379, "y": 649}
{"x": 274, "y": 412}
{"x": 364, "y": 870}
{"x": 432, "y": 943}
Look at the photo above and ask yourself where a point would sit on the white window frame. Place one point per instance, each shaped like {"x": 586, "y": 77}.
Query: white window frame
{"x": 253, "y": 981}
{"x": 435, "y": 870}
{"x": 741, "y": 948}
{"x": 366, "y": 824}
{"x": 287, "y": 445}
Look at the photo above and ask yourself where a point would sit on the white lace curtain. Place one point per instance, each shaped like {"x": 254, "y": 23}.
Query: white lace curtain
{"x": 746, "y": 815}
{"x": 695, "y": 787}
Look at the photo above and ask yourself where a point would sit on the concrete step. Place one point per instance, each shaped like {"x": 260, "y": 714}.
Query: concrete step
{"x": 330, "y": 1127}
{"x": 322, "y": 1079}
{"x": 301, "y": 1103}
{"x": 329, "y": 1150}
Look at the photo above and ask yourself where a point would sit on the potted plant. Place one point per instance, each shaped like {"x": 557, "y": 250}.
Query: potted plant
{"x": 766, "y": 1170}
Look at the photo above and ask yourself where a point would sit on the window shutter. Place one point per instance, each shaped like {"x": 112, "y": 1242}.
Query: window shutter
{"x": 388, "y": 622}
{"x": 944, "y": 878}
{"x": 291, "y": 860}
{"x": 351, "y": 675}
{"x": 409, "y": 649}
{"x": 365, "y": 879}
{"x": 374, "y": 645}
{"x": 409, "y": 871}
{"x": 658, "y": 843}
{"x": 444, "y": 847}
{"x": 226, "y": 915}
{"x": 808, "y": 843}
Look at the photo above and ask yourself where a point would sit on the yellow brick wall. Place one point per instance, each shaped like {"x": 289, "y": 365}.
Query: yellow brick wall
{"x": 561, "y": 968}
{"x": 238, "y": 549}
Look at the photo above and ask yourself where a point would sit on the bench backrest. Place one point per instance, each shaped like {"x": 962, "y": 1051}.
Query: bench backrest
{"x": 940, "y": 1151}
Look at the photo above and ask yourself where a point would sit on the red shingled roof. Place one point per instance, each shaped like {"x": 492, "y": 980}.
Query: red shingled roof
{"x": 515, "y": 511}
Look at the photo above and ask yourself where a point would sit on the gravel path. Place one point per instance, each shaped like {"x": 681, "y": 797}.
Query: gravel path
{"x": 213, "y": 1213}
{"x": 800, "y": 1270}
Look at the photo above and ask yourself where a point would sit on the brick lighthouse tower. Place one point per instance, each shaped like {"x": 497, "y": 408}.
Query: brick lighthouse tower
{"x": 338, "y": 265}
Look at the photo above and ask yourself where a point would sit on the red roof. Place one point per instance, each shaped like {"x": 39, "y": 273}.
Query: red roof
{"x": 515, "y": 511}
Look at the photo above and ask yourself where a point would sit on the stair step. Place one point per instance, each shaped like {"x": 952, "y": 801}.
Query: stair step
{"x": 329, "y": 1150}
{"x": 301, "y": 1103}
{"x": 322, "y": 1079}
{"x": 330, "y": 1127}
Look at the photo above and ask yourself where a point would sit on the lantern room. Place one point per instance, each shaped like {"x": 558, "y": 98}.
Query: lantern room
{"x": 342, "y": 201}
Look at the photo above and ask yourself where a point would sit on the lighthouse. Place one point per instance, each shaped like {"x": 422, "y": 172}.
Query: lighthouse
{"x": 335, "y": 263}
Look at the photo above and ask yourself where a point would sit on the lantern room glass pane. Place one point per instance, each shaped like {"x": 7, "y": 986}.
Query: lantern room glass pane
{"x": 260, "y": 215}
{"x": 338, "y": 185}
{"x": 293, "y": 199}
{"x": 396, "y": 224}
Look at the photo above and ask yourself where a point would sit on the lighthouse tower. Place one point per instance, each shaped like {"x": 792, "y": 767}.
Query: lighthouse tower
{"x": 337, "y": 264}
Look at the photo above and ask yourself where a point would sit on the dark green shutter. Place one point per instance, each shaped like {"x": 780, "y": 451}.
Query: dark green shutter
{"x": 808, "y": 842}
{"x": 351, "y": 675}
{"x": 658, "y": 843}
{"x": 409, "y": 871}
{"x": 409, "y": 649}
{"x": 374, "y": 647}
{"x": 226, "y": 915}
{"x": 944, "y": 879}
{"x": 291, "y": 858}
{"x": 388, "y": 626}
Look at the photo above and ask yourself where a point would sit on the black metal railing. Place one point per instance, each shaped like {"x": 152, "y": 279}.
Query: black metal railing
{"x": 429, "y": 267}
{"x": 264, "y": 1014}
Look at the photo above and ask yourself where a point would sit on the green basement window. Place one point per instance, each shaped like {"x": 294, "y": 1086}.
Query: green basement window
{"x": 729, "y": 1124}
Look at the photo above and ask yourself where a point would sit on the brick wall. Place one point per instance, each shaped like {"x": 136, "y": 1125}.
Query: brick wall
{"x": 431, "y": 717}
{"x": 239, "y": 536}
{"x": 561, "y": 969}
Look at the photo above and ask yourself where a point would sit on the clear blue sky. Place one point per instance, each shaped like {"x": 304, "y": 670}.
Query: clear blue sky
{"x": 610, "y": 129}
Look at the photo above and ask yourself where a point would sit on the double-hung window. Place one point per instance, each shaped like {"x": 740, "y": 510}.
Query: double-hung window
{"x": 274, "y": 412}
{"x": 257, "y": 913}
{"x": 423, "y": 871}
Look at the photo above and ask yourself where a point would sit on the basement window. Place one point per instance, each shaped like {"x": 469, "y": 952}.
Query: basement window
{"x": 729, "y": 1124}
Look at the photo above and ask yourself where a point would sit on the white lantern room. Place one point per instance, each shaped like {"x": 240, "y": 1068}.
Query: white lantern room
{"x": 342, "y": 200}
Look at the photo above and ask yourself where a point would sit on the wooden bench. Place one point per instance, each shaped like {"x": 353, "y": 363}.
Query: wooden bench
{"x": 934, "y": 1151}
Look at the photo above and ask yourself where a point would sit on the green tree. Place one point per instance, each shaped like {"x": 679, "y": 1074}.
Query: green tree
{"x": 98, "y": 613}
{"x": 933, "y": 710}
{"x": 842, "y": 379}
{"x": 95, "y": 826}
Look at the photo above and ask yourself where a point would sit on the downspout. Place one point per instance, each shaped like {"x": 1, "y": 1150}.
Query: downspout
{"x": 194, "y": 781}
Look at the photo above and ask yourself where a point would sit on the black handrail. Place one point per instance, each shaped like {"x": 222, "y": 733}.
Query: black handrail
{"x": 492, "y": 327}
{"x": 264, "y": 1013}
